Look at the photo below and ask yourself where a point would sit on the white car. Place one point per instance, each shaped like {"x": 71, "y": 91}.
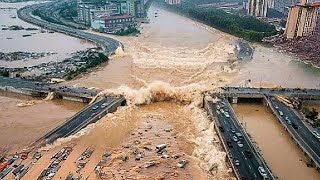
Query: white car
{"x": 240, "y": 144}
{"x": 237, "y": 162}
{"x": 316, "y": 134}
{"x": 235, "y": 139}
{"x": 226, "y": 114}
{"x": 281, "y": 113}
{"x": 262, "y": 172}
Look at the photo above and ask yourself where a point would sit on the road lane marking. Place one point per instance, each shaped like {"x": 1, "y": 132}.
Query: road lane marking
{"x": 249, "y": 166}
{"x": 254, "y": 174}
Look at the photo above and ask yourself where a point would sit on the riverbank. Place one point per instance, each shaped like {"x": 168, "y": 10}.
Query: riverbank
{"x": 69, "y": 68}
{"x": 306, "y": 48}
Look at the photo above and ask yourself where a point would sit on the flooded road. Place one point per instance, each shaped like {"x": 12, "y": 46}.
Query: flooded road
{"x": 12, "y": 41}
{"x": 282, "y": 155}
{"x": 20, "y": 126}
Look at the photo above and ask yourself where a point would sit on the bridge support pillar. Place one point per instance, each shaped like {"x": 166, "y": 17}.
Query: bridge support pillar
{"x": 234, "y": 100}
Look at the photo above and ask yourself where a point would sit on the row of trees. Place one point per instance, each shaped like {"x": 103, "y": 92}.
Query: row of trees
{"x": 91, "y": 62}
{"x": 246, "y": 27}
{"x": 312, "y": 115}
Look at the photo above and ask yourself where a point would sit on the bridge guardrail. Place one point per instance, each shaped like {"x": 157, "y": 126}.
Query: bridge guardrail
{"x": 64, "y": 123}
{"x": 274, "y": 111}
{"x": 259, "y": 158}
{"x": 98, "y": 116}
{"x": 215, "y": 119}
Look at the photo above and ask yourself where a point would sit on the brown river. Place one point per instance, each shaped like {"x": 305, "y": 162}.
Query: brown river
{"x": 162, "y": 73}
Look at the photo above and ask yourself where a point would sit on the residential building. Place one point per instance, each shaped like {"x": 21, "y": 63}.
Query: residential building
{"x": 257, "y": 8}
{"x": 302, "y": 19}
{"x": 112, "y": 24}
{"x": 91, "y": 11}
{"x": 173, "y": 2}
{"x": 283, "y": 5}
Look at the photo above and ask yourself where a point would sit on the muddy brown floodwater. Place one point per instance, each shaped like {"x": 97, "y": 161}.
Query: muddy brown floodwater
{"x": 20, "y": 126}
{"x": 184, "y": 129}
{"x": 12, "y": 41}
{"x": 282, "y": 155}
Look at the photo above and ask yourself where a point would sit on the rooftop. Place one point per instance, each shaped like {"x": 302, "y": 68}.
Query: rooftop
{"x": 114, "y": 17}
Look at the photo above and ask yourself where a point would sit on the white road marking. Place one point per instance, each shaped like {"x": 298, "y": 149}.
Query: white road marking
{"x": 249, "y": 166}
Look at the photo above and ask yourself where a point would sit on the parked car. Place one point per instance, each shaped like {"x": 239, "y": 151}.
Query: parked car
{"x": 226, "y": 114}
{"x": 240, "y": 144}
{"x": 280, "y": 113}
{"x": 232, "y": 130}
{"x": 316, "y": 134}
{"x": 95, "y": 107}
{"x": 221, "y": 128}
{"x": 235, "y": 139}
{"x": 248, "y": 153}
{"x": 237, "y": 162}
{"x": 294, "y": 125}
{"x": 289, "y": 122}
{"x": 229, "y": 144}
{"x": 263, "y": 172}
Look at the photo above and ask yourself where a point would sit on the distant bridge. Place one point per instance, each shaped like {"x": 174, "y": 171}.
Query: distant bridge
{"x": 37, "y": 89}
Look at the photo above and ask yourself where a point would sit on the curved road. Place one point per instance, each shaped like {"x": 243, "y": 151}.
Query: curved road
{"x": 109, "y": 45}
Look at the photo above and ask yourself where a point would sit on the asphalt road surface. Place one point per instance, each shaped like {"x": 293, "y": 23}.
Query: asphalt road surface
{"x": 76, "y": 123}
{"x": 248, "y": 168}
{"x": 25, "y": 14}
{"x": 43, "y": 87}
{"x": 301, "y": 133}
{"x": 271, "y": 91}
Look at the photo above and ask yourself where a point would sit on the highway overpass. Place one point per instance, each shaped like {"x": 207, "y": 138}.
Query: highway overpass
{"x": 244, "y": 159}
{"x": 297, "y": 129}
{"x": 33, "y": 88}
{"x": 108, "y": 44}
{"x": 90, "y": 114}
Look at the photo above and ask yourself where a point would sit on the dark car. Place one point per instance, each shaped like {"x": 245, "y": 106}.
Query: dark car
{"x": 248, "y": 153}
{"x": 294, "y": 125}
{"x": 229, "y": 144}
{"x": 221, "y": 128}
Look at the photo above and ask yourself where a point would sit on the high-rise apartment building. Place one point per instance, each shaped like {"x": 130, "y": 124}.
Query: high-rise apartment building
{"x": 302, "y": 19}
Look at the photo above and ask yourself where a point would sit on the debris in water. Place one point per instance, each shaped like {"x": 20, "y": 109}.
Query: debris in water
{"x": 182, "y": 163}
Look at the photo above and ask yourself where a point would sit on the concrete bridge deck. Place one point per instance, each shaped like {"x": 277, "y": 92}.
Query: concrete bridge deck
{"x": 260, "y": 92}
{"x": 224, "y": 125}
{"x": 34, "y": 88}
{"x": 301, "y": 135}
{"x": 90, "y": 114}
